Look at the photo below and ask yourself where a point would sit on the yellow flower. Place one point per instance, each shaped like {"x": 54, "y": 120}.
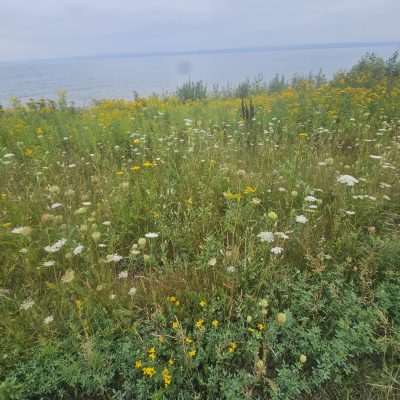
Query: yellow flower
{"x": 135, "y": 168}
{"x": 303, "y": 135}
{"x": 166, "y": 376}
{"x": 200, "y": 324}
{"x": 215, "y": 323}
{"x": 147, "y": 164}
{"x": 192, "y": 353}
{"x": 39, "y": 131}
{"x": 202, "y": 303}
{"x": 138, "y": 364}
{"x": 175, "y": 325}
{"x": 136, "y": 141}
{"x": 171, "y": 299}
{"x": 249, "y": 189}
{"x": 232, "y": 347}
{"x": 171, "y": 362}
{"x": 188, "y": 340}
{"x": 28, "y": 152}
{"x": 261, "y": 327}
{"x": 148, "y": 371}
{"x": 151, "y": 353}
{"x": 119, "y": 173}
{"x": 232, "y": 196}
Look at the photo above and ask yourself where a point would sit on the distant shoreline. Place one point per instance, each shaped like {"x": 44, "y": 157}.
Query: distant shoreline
{"x": 233, "y": 50}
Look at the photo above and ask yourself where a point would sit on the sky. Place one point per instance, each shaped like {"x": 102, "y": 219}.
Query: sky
{"x": 34, "y": 29}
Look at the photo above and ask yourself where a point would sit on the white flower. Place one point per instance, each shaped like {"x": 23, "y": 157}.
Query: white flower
{"x": 301, "y": 219}
{"x": 55, "y": 205}
{"x": 48, "y": 319}
{"x": 49, "y": 263}
{"x": 107, "y": 223}
{"x": 212, "y": 261}
{"x": 310, "y": 199}
{"x": 112, "y": 296}
{"x": 277, "y": 251}
{"x": 347, "y": 180}
{"x": 27, "y": 304}
{"x": 151, "y": 235}
{"x": 78, "y": 249}
{"x": 86, "y": 203}
{"x": 374, "y": 157}
{"x": 132, "y": 291}
{"x": 123, "y": 275}
{"x": 266, "y": 237}
{"x": 113, "y": 258}
{"x": 22, "y": 230}
{"x": 54, "y": 248}
{"x": 282, "y": 235}
{"x": 231, "y": 269}
{"x": 24, "y": 250}
{"x": 349, "y": 212}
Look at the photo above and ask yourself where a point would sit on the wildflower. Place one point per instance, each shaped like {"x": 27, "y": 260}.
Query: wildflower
{"x": 96, "y": 236}
{"x": 347, "y": 180}
{"x": 135, "y": 168}
{"x": 202, "y": 303}
{"x": 78, "y": 250}
{"x": 277, "y": 251}
{"x": 115, "y": 258}
{"x": 151, "y": 235}
{"x": 80, "y": 211}
{"x": 266, "y": 237}
{"x": 175, "y": 325}
{"x": 200, "y": 324}
{"x": 54, "y": 248}
{"x": 48, "y": 319}
{"x": 147, "y": 164}
{"x": 119, "y": 173}
{"x": 132, "y": 291}
{"x": 27, "y": 304}
{"x": 231, "y": 269}
{"x": 142, "y": 243}
{"x": 215, "y": 323}
{"x": 212, "y": 262}
{"x": 171, "y": 362}
{"x": 123, "y": 275}
{"x": 166, "y": 376}
{"x": 232, "y": 196}
{"x": 281, "y": 318}
{"x": 172, "y": 299}
{"x": 107, "y": 223}
{"x": 232, "y": 347}
{"x": 49, "y": 263}
{"x": 294, "y": 193}
{"x": 192, "y": 353}
{"x": 301, "y": 219}
{"x": 303, "y": 359}
{"x": 28, "y": 152}
{"x": 272, "y": 215}
{"x": 261, "y": 327}
{"x": 256, "y": 201}
{"x": 55, "y": 206}
{"x": 151, "y": 353}
{"x": 138, "y": 364}
{"x": 303, "y": 135}
{"x": 22, "y": 230}
{"x": 249, "y": 189}
{"x": 149, "y": 371}
{"x": 68, "y": 277}
{"x": 310, "y": 199}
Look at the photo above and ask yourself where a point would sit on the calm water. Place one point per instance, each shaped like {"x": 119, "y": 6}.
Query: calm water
{"x": 96, "y": 78}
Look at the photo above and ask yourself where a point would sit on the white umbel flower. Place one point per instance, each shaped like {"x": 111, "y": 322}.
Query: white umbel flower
{"x": 347, "y": 180}
{"x": 54, "y": 248}
{"x": 266, "y": 237}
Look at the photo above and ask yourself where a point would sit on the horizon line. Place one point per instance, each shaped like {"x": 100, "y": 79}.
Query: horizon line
{"x": 227, "y": 50}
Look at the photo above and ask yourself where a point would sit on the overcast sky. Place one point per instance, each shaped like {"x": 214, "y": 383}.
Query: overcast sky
{"x": 54, "y": 28}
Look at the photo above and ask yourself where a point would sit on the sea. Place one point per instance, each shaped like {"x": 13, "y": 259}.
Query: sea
{"x": 85, "y": 79}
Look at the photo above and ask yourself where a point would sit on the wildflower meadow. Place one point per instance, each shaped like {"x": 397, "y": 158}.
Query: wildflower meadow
{"x": 241, "y": 245}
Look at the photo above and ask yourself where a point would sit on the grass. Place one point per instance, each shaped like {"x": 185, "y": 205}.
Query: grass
{"x": 168, "y": 249}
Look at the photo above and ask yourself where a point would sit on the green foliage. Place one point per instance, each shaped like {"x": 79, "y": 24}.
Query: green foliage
{"x": 192, "y": 91}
